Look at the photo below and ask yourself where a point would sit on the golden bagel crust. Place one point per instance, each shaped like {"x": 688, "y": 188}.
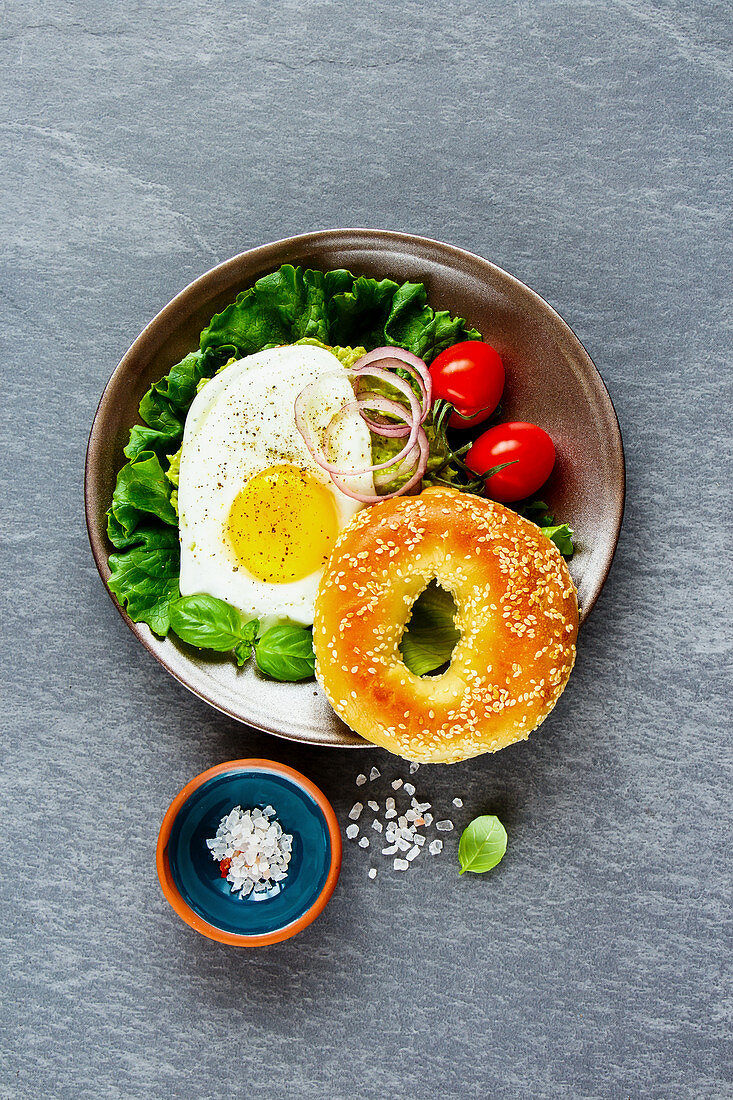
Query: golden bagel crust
{"x": 517, "y": 612}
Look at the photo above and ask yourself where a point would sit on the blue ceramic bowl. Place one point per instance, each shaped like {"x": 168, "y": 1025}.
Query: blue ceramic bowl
{"x": 191, "y": 878}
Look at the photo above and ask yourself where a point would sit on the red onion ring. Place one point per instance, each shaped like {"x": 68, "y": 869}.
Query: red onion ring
{"x": 378, "y": 364}
{"x": 374, "y": 402}
{"x": 401, "y": 357}
{"x": 423, "y": 449}
{"x": 370, "y": 402}
{"x": 400, "y": 384}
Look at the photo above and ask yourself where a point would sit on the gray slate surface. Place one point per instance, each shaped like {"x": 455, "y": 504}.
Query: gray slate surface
{"x": 584, "y": 148}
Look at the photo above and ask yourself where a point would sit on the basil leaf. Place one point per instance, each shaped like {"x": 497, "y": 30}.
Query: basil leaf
{"x": 482, "y": 845}
{"x": 286, "y": 653}
{"x": 208, "y": 623}
{"x": 431, "y": 635}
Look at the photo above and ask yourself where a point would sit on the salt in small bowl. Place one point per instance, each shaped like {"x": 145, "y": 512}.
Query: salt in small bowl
{"x": 191, "y": 878}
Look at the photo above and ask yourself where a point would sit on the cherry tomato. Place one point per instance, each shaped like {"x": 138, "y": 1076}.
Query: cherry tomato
{"x": 471, "y": 376}
{"x": 527, "y": 447}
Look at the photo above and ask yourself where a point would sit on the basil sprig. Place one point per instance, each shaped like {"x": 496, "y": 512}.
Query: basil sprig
{"x": 281, "y": 652}
{"x": 482, "y": 844}
{"x": 208, "y": 623}
{"x": 286, "y": 653}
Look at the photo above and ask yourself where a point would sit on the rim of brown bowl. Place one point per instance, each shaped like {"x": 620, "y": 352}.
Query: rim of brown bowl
{"x": 225, "y": 279}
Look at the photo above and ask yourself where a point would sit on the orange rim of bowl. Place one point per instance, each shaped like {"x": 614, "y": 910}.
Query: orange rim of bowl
{"x": 184, "y": 910}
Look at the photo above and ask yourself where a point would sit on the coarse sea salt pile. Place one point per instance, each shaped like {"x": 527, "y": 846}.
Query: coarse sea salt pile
{"x": 401, "y": 827}
{"x": 252, "y": 848}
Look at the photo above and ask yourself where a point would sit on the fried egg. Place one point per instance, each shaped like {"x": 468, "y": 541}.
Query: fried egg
{"x": 257, "y": 516}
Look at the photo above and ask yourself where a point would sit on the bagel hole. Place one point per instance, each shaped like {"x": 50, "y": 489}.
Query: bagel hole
{"x": 430, "y": 635}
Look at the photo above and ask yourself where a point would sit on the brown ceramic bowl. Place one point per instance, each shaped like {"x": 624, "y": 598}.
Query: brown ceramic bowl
{"x": 551, "y": 381}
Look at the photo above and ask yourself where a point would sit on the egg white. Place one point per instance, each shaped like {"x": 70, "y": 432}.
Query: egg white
{"x": 243, "y": 422}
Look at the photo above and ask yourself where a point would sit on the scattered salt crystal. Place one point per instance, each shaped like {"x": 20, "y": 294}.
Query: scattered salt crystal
{"x": 444, "y": 826}
{"x": 419, "y": 839}
{"x": 427, "y": 819}
{"x": 396, "y": 784}
{"x": 364, "y": 842}
{"x": 435, "y": 846}
{"x": 402, "y": 822}
{"x": 458, "y": 802}
{"x": 390, "y": 814}
{"x": 389, "y": 803}
{"x": 352, "y": 831}
{"x": 413, "y": 768}
{"x": 413, "y": 853}
{"x": 390, "y": 850}
{"x": 360, "y": 780}
{"x": 372, "y": 872}
{"x": 411, "y": 815}
{"x": 355, "y": 811}
{"x": 421, "y": 807}
{"x": 403, "y": 844}
{"x": 374, "y": 774}
{"x": 401, "y": 865}
{"x": 377, "y": 826}
{"x": 373, "y": 805}
{"x": 408, "y": 788}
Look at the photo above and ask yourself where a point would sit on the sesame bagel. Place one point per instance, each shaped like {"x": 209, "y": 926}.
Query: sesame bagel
{"x": 516, "y": 610}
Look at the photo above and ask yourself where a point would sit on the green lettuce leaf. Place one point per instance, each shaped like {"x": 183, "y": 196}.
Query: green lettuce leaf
{"x": 142, "y": 490}
{"x": 280, "y": 308}
{"x": 143, "y": 438}
{"x": 145, "y": 577}
{"x": 337, "y": 310}
{"x": 562, "y": 536}
{"x": 431, "y": 635}
{"x": 164, "y": 406}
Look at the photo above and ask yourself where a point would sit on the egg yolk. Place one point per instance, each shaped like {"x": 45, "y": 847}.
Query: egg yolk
{"x": 283, "y": 524}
